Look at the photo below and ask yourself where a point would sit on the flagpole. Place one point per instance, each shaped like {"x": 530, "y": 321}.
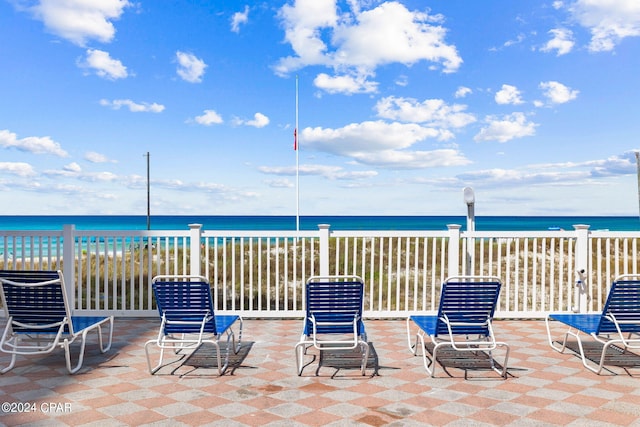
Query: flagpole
{"x": 297, "y": 166}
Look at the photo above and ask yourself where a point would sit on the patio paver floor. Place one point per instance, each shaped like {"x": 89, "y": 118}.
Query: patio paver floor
{"x": 262, "y": 388}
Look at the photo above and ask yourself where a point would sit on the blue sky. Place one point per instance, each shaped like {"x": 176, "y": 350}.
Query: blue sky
{"x": 401, "y": 104}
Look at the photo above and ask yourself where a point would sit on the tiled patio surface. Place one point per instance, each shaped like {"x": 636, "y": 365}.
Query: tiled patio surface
{"x": 262, "y": 388}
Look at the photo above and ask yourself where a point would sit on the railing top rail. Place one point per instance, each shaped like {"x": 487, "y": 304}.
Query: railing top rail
{"x": 518, "y": 234}
{"x": 131, "y": 233}
{"x": 617, "y": 234}
{"x": 260, "y": 233}
{"x": 17, "y": 233}
{"x": 389, "y": 233}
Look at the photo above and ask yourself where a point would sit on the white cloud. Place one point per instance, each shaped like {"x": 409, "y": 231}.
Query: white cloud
{"x": 99, "y": 176}
{"x": 609, "y": 21}
{"x": 210, "y": 117}
{"x": 239, "y": 18}
{"x": 462, "y": 92}
{"x": 279, "y": 183}
{"x": 519, "y": 39}
{"x": 93, "y": 157}
{"x": 511, "y": 126}
{"x": 134, "y": 107}
{"x": 17, "y": 168}
{"x": 557, "y": 93}
{"x": 103, "y": 65}
{"x": 73, "y": 167}
{"x": 391, "y": 33}
{"x": 190, "y": 68}
{"x": 508, "y": 95}
{"x": 345, "y": 84}
{"x": 326, "y": 171}
{"x": 402, "y": 80}
{"x": 562, "y": 42}
{"x": 31, "y": 144}
{"x": 382, "y": 144}
{"x": 358, "y": 41}
{"x": 565, "y": 173}
{"x": 259, "y": 121}
{"x": 431, "y": 111}
{"x": 74, "y": 171}
{"x": 365, "y": 137}
{"x": 80, "y": 21}
{"x": 394, "y": 159}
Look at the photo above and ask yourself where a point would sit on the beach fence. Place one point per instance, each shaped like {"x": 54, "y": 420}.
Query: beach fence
{"x": 262, "y": 273}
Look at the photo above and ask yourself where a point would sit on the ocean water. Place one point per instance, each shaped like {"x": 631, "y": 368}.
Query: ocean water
{"x": 167, "y": 222}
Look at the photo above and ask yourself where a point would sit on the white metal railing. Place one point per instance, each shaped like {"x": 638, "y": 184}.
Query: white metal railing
{"x": 262, "y": 273}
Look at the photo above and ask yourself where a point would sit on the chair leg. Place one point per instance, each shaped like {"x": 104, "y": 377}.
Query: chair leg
{"x": 11, "y": 364}
{"x": 365, "y": 357}
{"x": 98, "y": 327}
{"x": 236, "y": 348}
{"x": 412, "y": 346}
{"x": 146, "y": 350}
{"x": 67, "y": 353}
{"x": 300, "y": 351}
{"x": 104, "y": 349}
{"x": 503, "y": 371}
{"x": 7, "y": 337}
{"x": 425, "y": 359}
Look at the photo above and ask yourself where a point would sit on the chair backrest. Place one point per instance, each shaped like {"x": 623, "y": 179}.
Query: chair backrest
{"x": 184, "y": 298}
{"x": 35, "y": 298}
{"x": 334, "y": 299}
{"x": 623, "y": 302}
{"x": 470, "y": 300}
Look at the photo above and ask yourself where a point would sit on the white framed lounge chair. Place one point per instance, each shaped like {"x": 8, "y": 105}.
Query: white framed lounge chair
{"x": 463, "y": 321}
{"x": 333, "y": 319}
{"x": 616, "y": 327}
{"x": 39, "y": 318}
{"x": 188, "y": 320}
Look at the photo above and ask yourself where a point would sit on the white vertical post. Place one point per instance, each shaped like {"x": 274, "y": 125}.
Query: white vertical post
{"x": 324, "y": 249}
{"x": 453, "y": 262}
{"x": 194, "y": 248}
{"x": 69, "y": 260}
{"x": 470, "y": 200}
{"x": 582, "y": 265}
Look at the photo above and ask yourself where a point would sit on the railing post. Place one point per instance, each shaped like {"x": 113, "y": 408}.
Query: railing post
{"x": 582, "y": 264}
{"x": 69, "y": 260}
{"x": 453, "y": 258}
{"x": 194, "y": 249}
{"x": 324, "y": 249}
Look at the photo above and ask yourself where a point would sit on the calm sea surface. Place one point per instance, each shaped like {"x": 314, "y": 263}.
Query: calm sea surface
{"x": 486, "y": 223}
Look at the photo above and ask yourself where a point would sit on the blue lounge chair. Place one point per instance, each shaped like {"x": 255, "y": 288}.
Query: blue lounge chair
{"x": 333, "y": 319}
{"x": 463, "y": 321}
{"x": 188, "y": 319}
{"x": 39, "y": 318}
{"x": 620, "y": 316}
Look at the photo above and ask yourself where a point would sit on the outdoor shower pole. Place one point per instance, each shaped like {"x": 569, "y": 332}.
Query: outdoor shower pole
{"x": 470, "y": 200}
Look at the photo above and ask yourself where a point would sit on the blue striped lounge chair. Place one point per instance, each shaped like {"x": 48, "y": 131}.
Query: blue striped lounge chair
{"x": 188, "y": 320}
{"x": 39, "y": 318}
{"x": 617, "y": 327}
{"x": 333, "y": 318}
{"x": 463, "y": 322}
